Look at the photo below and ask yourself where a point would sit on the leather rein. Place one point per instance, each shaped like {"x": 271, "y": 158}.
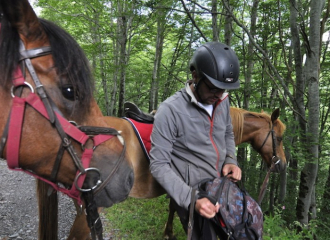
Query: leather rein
{"x": 275, "y": 160}
{"x": 66, "y": 130}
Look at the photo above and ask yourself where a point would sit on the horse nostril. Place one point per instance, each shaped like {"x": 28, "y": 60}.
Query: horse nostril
{"x": 130, "y": 180}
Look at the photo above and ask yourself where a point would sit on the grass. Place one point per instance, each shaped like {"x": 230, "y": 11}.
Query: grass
{"x": 142, "y": 219}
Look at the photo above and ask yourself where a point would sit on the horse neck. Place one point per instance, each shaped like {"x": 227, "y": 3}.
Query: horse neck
{"x": 251, "y": 129}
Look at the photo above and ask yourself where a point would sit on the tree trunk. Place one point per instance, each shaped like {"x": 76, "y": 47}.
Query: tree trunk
{"x": 124, "y": 22}
{"x": 153, "y": 98}
{"x": 250, "y": 60}
{"x": 228, "y": 25}
{"x": 309, "y": 172}
{"x": 325, "y": 207}
{"x": 214, "y": 12}
{"x": 116, "y": 53}
{"x": 122, "y": 40}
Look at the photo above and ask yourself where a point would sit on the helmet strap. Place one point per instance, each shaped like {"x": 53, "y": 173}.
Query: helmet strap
{"x": 197, "y": 86}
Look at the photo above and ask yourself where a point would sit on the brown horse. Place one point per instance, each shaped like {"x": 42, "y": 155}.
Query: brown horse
{"x": 45, "y": 81}
{"x": 252, "y": 127}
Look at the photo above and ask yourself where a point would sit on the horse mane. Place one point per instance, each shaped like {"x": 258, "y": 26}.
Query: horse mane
{"x": 238, "y": 115}
{"x": 70, "y": 61}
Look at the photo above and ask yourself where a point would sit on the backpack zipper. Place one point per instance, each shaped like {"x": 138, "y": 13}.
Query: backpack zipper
{"x": 227, "y": 196}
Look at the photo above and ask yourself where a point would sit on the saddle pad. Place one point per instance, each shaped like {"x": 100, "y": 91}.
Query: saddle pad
{"x": 143, "y": 132}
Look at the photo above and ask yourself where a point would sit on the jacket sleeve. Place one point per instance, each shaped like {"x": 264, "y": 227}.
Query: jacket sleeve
{"x": 162, "y": 138}
{"x": 230, "y": 139}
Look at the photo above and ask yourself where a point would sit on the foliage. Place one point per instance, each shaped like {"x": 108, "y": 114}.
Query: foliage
{"x": 142, "y": 219}
{"x": 145, "y": 219}
{"x": 277, "y": 228}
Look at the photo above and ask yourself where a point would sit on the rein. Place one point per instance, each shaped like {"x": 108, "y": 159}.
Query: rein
{"x": 275, "y": 161}
{"x": 66, "y": 130}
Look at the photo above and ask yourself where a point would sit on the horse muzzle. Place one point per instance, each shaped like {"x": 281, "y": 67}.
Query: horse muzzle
{"x": 278, "y": 165}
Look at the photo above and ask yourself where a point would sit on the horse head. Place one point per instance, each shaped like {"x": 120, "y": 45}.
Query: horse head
{"x": 264, "y": 132}
{"x": 46, "y": 92}
{"x": 269, "y": 141}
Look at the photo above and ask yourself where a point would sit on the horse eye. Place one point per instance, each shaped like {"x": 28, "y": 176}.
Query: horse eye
{"x": 68, "y": 92}
{"x": 279, "y": 139}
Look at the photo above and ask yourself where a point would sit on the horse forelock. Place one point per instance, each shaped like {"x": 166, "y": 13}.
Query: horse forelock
{"x": 70, "y": 61}
{"x": 281, "y": 126}
{"x": 9, "y": 52}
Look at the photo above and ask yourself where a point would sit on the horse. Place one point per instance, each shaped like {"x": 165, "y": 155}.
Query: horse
{"x": 50, "y": 124}
{"x": 252, "y": 127}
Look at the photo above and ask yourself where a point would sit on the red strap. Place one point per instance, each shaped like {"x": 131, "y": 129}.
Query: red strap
{"x": 73, "y": 192}
{"x": 18, "y": 77}
{"x": 69, "y": 129}
{"x": 85, "y": 159}
{"x": 98, "y": 139}
{"x": 14, "y": 133}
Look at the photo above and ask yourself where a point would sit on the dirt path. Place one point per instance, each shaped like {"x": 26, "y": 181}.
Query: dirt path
{"x": 19, "y": 210}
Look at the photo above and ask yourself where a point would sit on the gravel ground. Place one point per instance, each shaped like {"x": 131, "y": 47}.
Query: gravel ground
{"x": 19, "y": 210}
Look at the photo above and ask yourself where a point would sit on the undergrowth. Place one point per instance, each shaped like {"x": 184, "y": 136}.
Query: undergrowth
{"x": 144, "y": 219}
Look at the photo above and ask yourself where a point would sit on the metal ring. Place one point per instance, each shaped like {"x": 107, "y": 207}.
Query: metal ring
{"x": 89, "y": 189}
{"x": 25, "y": 83}
{"x": 83, "y": 144}
{"x": 73, "y": 123}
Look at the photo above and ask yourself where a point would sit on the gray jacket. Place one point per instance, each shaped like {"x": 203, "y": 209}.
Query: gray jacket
{"x": 188, "y": 145}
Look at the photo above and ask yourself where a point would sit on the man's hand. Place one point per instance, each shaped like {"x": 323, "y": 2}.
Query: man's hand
{"x": 233, "y": 172}
{"x": 205, "y": 208}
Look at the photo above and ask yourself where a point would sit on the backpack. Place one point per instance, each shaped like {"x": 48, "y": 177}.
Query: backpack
{"x": 240, "y": 216}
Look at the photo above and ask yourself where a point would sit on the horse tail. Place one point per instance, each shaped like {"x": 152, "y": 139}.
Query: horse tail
{"x": 48, "y": 212}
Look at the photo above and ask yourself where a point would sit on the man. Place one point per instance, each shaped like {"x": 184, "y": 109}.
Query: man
{"x": 192, "y": 138}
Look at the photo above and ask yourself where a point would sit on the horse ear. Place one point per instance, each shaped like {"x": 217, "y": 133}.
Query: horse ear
{"x": 275, "y": 114}
{"x": 22, "y": 17}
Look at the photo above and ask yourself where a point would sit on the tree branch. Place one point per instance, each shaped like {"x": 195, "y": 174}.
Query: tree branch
{"x": 192, "y": 20}
{"x": 264, "y": 54}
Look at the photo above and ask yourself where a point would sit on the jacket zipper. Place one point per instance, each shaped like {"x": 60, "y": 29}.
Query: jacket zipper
{"x": 213, "y": 143}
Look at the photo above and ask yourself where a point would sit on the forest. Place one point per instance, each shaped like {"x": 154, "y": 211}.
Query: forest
{"x": 140, "y": 50}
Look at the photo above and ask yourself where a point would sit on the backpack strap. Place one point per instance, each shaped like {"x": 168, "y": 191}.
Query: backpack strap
{"x": 191, "y": 214}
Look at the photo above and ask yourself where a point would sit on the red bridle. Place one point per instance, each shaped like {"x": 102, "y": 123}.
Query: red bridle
{"x": 66, "y": 130}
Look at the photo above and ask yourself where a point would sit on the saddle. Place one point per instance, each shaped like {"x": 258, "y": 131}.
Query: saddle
{"x": 142, "y": 124}
{"x": 134, "y": 112}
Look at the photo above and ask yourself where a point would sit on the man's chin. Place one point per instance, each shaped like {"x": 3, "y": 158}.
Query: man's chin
{"x": 211, "y": 101}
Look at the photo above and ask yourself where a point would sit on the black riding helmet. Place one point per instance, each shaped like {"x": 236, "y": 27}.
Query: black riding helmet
{"x": 218, "y": 63}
